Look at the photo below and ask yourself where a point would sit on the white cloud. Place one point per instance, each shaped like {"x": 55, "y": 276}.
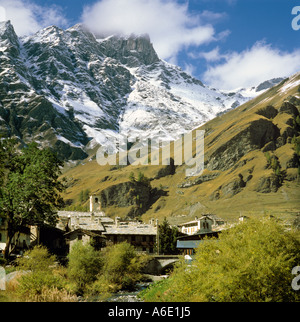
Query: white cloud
{"x": 211, "y": 56}
{"x": 170, "y": 25}
{"x": 28, "y": 17}
{"x": 189, "y": 68}
{"x": 251, "y": 66}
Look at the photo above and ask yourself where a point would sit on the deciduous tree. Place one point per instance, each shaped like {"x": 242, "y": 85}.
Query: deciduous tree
{"x": 29, "y": 187}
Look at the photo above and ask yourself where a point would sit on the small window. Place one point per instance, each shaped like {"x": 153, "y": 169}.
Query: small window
{"x": 96, "y": 200}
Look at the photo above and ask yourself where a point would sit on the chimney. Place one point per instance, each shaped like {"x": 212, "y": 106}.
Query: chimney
{"x": 76, "y": 222}
{"x": 117, "y": 221}
{"x": 91, "y": 204}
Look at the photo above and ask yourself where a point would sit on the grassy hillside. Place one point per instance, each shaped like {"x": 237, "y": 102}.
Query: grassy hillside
{"x": 251, "y": 166}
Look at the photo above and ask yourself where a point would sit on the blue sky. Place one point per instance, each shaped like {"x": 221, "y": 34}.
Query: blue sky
{"x": 225, "y": 43}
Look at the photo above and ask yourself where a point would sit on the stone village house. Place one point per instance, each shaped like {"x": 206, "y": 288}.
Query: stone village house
{"x": 208, "y": 226}
{"x": 207, "y": 222}
{"x": 96, "y": 227}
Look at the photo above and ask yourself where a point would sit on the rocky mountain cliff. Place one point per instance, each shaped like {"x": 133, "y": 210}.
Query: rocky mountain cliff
{"x": 72, "y": 90}
{"x": 252, "y": 166}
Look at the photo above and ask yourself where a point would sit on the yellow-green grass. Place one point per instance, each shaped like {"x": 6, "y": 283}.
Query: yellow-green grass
{"x": 182, "y": 204}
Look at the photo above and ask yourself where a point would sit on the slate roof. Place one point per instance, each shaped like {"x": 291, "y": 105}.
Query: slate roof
{"x": 83, "y": 231}
{"x": 131, "y": 229}
{"x": 188, "y": 243}
{"x": 97, "y": 221}
{"x": 94, "y": 221}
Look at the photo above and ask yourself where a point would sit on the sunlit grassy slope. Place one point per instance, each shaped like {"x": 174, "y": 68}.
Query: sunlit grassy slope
{"x": 235, "y": 147}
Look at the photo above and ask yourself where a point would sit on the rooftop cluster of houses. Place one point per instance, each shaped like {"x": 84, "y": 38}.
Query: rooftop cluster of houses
{"x": 91, "y": 226}
{"x": 195, "y": 231}
{"x": 102, "y": 231}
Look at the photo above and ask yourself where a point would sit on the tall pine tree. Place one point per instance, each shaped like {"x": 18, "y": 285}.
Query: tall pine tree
{"x": 167, "y": 238}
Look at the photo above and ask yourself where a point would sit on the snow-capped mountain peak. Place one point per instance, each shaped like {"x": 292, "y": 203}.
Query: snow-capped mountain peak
{"x": 71, "y": 89}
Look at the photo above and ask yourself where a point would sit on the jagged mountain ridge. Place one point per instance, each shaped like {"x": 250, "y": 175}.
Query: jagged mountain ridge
{"x": 251, "y": 167}
{"x": 72, "y": 90}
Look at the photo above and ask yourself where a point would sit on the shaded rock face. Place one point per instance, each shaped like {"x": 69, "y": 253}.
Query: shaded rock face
{"x": 233, "y": 187}
{"x": 198, "y": 180}
{"x": 269, "y": 112}
{"x": 293, "y": 162}
{"x": 267, "y": 184}
{"x": 166, "y": 170}
{"x": 230, "y": 189}
{"x": 126, "y": 194}
{"x": 268, "y": 84}
{"x": 261, "y": 132}
{"x": 132, "y": 51}
{"x": 289, "y": 108}
{"x": 255, "y": 136}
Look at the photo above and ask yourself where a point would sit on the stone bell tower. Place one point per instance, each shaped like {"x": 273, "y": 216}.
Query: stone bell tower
{"x": 95, "y": 204}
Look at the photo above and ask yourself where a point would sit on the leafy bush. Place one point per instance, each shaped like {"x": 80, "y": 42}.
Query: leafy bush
{"x": 121, "y": 270}
{"x": 40, "y": 278}
{"x": 85, "y": 263}
{"x": 251, "y": 262}
{"x": 34, "y": 284}
{"x": 89, "y": 272}
{"x": 36, "y": 260}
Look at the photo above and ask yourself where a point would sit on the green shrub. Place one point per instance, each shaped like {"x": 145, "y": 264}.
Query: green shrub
{"x": 39, "y": 277}
{"x": 85, "y": 263}
{"x": 121, "y": 270}
{"x": 36, "y": 260}
{"x": 251, "y": 262}
{"x": 34, "y": 284}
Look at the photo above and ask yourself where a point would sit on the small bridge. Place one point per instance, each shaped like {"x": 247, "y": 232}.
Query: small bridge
{"x": 160, "y": 264}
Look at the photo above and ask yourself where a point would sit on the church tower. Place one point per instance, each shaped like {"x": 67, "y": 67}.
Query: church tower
{"x": 95, "y": 204}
